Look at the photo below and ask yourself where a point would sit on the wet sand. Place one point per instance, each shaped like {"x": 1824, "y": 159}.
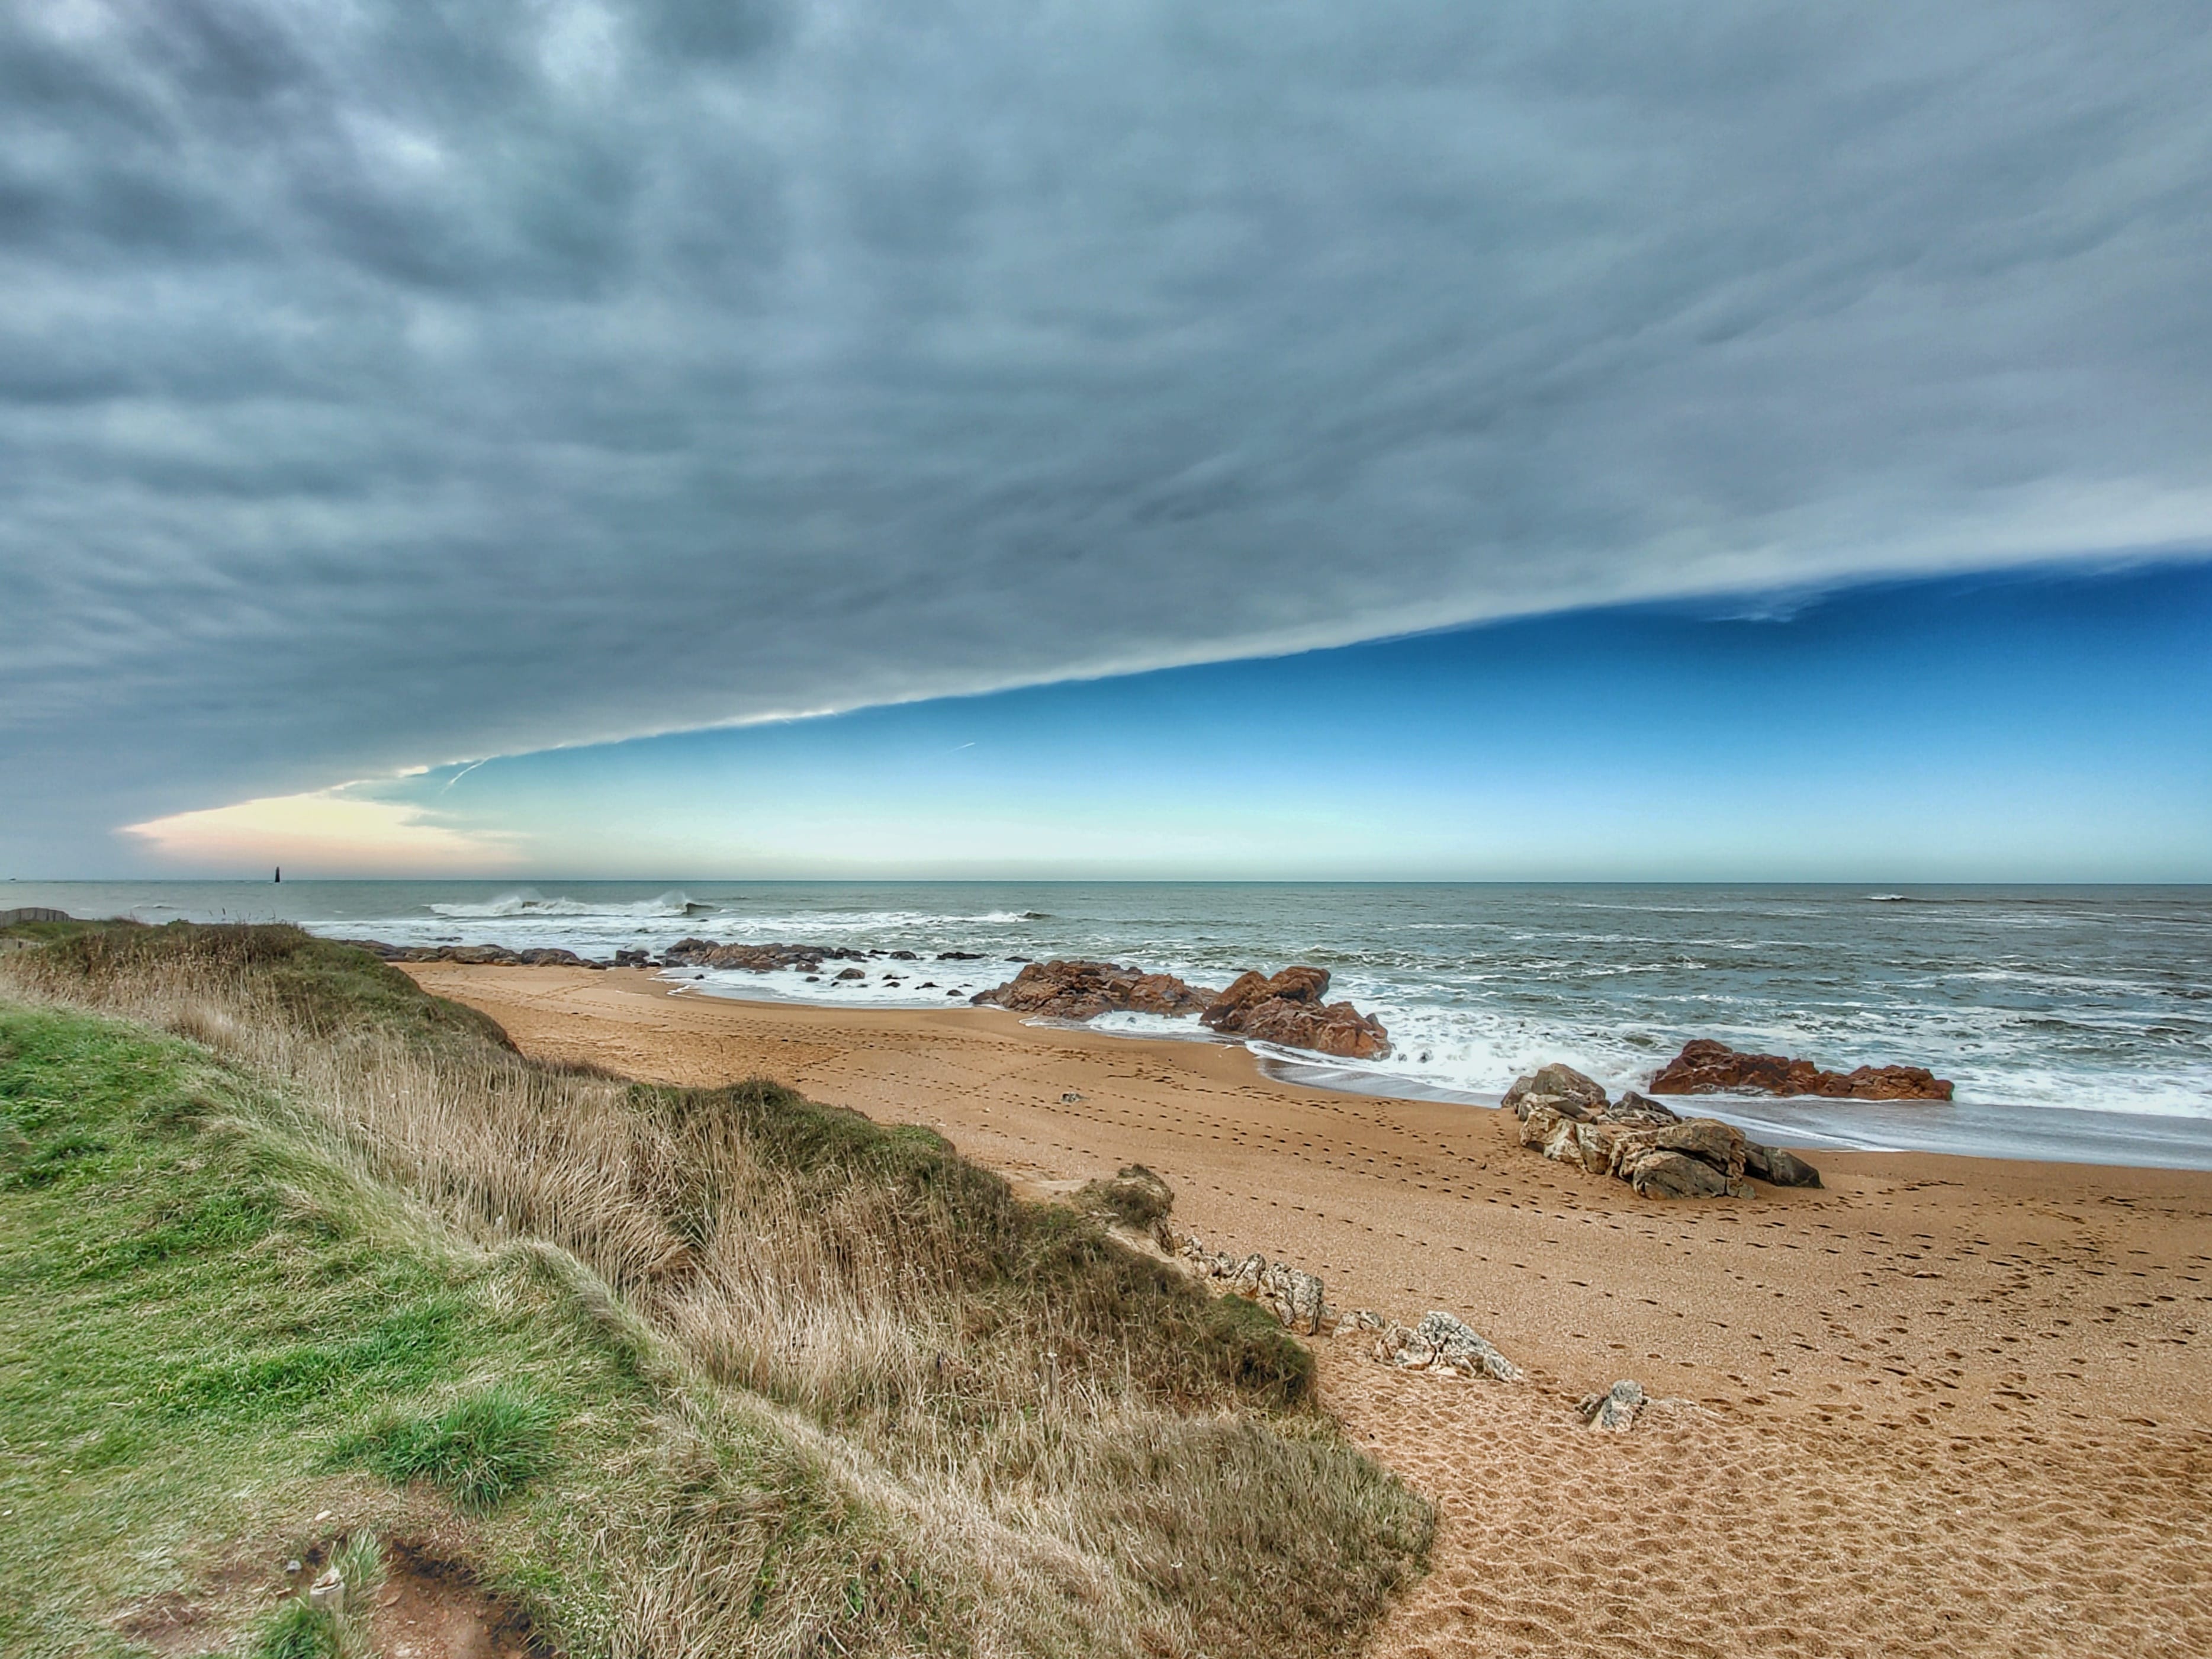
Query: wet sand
{"x": 1944, "y": 1406}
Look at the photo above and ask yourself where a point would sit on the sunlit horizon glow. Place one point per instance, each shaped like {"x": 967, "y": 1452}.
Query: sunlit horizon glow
{"x": 330, "y": 831}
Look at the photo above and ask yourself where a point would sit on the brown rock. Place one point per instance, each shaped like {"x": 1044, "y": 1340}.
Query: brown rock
{"x": 1339, "y": 1028}
{"x": 1251, "y": 988}
{"x": 755, "y": 958}
{"x": 1062, "y": 989}
{"x": 1707, "y": 1067}
{"x": 1600, "y": 1143}
{"x": 1288, "y": 1010}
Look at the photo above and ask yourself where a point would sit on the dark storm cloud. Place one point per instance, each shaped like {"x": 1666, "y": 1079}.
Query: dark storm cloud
{"x": 387, "y": 384}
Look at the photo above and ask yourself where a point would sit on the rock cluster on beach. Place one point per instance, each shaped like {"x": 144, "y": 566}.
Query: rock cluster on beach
{"x": 1568, "y": 1118}
{"x": 757, "y": 959}
{"x": 1439, "y": 1342}
{"x": 1707, "y": 1067}
{"x": 1291, "y": 1294}
{"x": 474, "y": 956}
{"x": 1074, "y": 989}
{"x": 1288, "y": 1010}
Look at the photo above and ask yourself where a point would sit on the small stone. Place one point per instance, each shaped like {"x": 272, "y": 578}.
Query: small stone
{"x": 1616, "y": 1408}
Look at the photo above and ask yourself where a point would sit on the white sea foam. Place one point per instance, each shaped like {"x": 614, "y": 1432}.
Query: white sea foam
{"x": 527, "y": 903}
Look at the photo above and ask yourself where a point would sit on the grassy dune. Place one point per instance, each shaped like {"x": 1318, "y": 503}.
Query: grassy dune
{"x": 676, "y": 1372}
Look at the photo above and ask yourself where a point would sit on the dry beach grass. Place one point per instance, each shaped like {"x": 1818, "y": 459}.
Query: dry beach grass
{"x": 1941, "y": 1406}
{"x": 971, "y": 1423}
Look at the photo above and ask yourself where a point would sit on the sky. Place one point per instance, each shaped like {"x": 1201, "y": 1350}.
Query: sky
{"x": 2046, "y": 725}
{"x": 591, "y": 390}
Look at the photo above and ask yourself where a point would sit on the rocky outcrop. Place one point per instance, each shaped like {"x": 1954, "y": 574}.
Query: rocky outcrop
{"x": 757, "y": 959}
{"x": 1251, "y": 988}
{"x": 1707, "y": 1067}
{"x": 1061, "y": 989}
{"x": 1293, "y": 1295}
{"x": 1442, "y": 1343}
{"x": 473, "y": 955}
{"x": 1567, "y": 1117}
{"x": 1562, "y": 1088}
{"x": 1287, "y": 1010}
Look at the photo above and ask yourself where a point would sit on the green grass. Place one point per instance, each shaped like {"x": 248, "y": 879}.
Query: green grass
{"x": 185, "y": 1331}
{"x": 480, "y": 1449}
{"x": 228, "y": 1304}
{"x": 201, "y": 1323}
{"x": 297, "y": 1631}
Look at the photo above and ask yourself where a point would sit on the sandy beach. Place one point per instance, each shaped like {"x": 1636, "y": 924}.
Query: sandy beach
{"x": 1942, "y": 1406}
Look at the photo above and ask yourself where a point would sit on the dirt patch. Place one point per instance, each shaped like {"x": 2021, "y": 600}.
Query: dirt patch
{"x": 174, "y": 1622}
{"x": 170, "y": 1623}
{"x": 431, "y": 1608}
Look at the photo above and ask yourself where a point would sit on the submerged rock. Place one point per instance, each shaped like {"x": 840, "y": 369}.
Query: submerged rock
{"x": 757, "y": 958}
{"x": 1707, "y": 1067}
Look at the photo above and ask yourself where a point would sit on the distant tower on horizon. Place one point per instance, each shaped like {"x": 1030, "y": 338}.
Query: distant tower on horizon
{"x": 280, "y": 872}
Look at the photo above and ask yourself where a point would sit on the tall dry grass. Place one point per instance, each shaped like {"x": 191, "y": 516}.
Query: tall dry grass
{"x": 1088, "y": 1455}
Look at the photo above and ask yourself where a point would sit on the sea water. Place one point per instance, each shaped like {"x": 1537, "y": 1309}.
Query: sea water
{"x": 2075, "y": 1021}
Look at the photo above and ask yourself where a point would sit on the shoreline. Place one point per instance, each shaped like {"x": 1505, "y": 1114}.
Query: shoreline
{"x": 994, "y": 1082}
{"x": 1903, "y": 1395}
{"x": 2002, "y": 1131}
{"x": 1960, "y": 1129}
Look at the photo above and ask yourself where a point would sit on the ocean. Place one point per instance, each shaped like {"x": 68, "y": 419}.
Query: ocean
{"x": 2075, "y": 1021}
